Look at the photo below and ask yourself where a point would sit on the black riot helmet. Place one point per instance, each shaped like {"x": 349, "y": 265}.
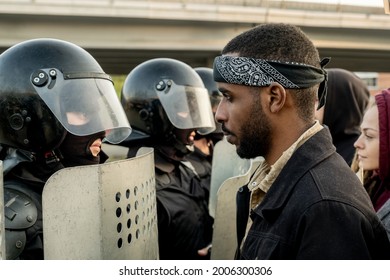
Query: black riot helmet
{"x": 215, "y": 95}
{"x": 162, "y": 94}
{"x": 207, "y": 77}
{"x": 42, "y": 81}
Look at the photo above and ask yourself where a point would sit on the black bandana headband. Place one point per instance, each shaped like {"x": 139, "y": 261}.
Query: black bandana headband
{"x": 260, "y": 72}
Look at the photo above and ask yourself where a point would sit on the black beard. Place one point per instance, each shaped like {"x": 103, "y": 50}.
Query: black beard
{"x": 255, "y": 134}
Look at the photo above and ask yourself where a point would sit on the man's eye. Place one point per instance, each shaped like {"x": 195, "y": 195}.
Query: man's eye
{"x": 227, "y": 97}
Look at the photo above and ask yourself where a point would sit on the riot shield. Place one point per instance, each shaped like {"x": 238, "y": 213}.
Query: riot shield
{"x": 234, "y": 173}
{"x": 226, "y": 164}
{"x": 105, "y": 211}
{"x": 2, "y": 219}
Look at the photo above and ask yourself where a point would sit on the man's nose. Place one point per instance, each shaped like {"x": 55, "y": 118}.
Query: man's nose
{"x": 220, "y": 114}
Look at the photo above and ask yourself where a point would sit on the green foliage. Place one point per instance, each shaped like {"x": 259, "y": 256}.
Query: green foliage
{"x": 118, "y": 83}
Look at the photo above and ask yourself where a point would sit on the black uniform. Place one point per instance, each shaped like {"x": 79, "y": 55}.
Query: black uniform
{"x": 202, "y": 164}
{"x": 184, "y": 223}
{"x": 23, "y": 185}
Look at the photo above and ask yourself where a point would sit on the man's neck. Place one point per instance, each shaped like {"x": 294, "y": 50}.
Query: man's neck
{"x": 285, "y": 137}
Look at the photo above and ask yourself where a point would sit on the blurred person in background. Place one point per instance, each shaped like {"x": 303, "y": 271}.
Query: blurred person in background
{"x": 373, "y": 156}
{"x": 346, "y": 101}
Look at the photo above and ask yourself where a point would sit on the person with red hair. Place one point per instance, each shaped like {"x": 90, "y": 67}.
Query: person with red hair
{"x": 373, "y": 155}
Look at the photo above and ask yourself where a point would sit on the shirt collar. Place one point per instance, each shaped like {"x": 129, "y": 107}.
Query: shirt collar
{"x": 265, "y": 175}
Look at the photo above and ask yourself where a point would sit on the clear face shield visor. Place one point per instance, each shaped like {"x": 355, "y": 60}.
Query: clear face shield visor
{"x": 84, "y": 103}
{"x": 186, "y": 107}
{"x": 215, "y": 99}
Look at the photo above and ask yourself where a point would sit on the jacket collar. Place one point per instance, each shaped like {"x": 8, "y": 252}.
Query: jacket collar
{"x": 312, "y": 152}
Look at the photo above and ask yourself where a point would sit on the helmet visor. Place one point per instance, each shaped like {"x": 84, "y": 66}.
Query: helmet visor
{"x": 85, "y": 103}
{"x": 187, "y": 107}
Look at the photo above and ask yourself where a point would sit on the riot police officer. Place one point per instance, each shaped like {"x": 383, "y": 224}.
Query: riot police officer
{"x": 166, "y": 102}
{"x": 56, "y": 107}
{"x": 202, "y": 156}
{"x": 206, "y": 74}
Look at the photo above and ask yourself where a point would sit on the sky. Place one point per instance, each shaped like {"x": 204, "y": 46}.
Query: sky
{"x": 370, "y": 3}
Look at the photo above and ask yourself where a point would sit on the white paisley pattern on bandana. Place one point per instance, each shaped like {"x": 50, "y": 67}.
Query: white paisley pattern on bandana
{"x": 260, "y": 72}
{"x": 250, "y": 72}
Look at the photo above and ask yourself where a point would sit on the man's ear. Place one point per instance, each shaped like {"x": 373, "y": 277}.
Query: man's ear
{"x": 277, "y": 97}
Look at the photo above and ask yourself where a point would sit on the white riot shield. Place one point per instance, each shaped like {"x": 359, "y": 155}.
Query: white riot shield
{"x": 229, "y": 173}
{"x": 2, "y": 219}
{"x": 226, "y": 164}
{"x": 105, "y": 211}
{"x": 224, "y": 233}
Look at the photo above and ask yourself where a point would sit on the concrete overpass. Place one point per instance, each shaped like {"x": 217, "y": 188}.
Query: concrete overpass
{"x": 123, "y": 33}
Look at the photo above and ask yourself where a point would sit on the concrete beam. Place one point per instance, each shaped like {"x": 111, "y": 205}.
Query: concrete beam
{"x": 122, "y": 34}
